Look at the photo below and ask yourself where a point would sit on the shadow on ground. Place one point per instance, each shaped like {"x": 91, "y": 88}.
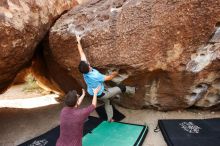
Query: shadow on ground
{"x": 19, "y": 125}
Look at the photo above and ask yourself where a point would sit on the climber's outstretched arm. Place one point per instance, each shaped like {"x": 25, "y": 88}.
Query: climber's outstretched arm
{"x": 111, "y": 76}
{"x": 81, "y": 53}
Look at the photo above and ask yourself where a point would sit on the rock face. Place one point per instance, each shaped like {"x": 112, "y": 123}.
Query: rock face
{"x": 83, "y": 1}
{"x": 49, "y": 74}
{"x": 23, "y": 24}
{"x": 21, "y": 76}
{"x": 168, "y": 50}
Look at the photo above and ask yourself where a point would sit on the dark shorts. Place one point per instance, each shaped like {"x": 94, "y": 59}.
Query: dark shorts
{"x": 99, "y": 96}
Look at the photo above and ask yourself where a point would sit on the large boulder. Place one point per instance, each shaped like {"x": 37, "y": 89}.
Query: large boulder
{"x": 23, "y": 24}
{"x": 168, "y": 50}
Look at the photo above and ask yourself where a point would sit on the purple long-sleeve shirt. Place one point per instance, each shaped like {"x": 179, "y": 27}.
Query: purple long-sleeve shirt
{"x": 71, "y": 125}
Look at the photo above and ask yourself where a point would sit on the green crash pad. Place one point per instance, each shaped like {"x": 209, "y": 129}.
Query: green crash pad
{"x": 116, "y": 134}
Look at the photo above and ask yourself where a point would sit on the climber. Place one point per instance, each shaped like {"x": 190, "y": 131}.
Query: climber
{"x": 72, "y": 118}
{"x": 94, "y": 78}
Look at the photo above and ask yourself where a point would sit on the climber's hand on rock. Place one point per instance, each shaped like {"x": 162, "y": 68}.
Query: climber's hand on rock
{"x": 114, "y": 73}
{"x": 78, "y": 38}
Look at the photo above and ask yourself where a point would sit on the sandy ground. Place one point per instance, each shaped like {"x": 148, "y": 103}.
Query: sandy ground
{"x": 17, "y": 92}
{"x": 20, "y": 125}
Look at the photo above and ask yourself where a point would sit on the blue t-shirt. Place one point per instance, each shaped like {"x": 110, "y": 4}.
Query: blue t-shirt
{"x": 93, "y": 79}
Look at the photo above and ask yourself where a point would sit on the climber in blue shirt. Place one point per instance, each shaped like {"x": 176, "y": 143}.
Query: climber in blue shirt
{"x": 94, "y": 78}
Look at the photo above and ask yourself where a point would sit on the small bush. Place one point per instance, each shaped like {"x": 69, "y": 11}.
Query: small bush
{"x": 31, "y": 85}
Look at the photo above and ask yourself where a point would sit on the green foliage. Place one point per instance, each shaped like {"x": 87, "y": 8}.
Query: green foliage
{"x": 31, "y": 85}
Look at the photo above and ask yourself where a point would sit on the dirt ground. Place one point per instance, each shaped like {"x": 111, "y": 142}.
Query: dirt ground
{"x": 20, "y": 125}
